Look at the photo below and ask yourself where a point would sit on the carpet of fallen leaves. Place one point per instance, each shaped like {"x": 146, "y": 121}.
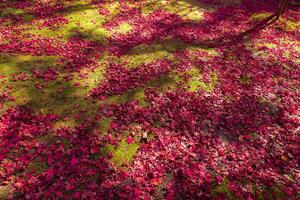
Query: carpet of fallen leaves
{"x": 82, "y": 81}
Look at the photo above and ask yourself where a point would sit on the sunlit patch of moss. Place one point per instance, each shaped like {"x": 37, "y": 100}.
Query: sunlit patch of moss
{"x": 3, "y": 39}
{"x": 291, "y": 48}
{"x": 123, "y": 153}
{"x": 4, "y": 191}
{"x": 195, "y": 82}
{"x": 287, "y": 24}
{"x": 194, "y": 51}
{"x": 186, "y": 9}
{"x": 291, "y": 25}
{"x": 77, "y": 4}
{"x": 86, "y": 23}
{"x": 94, "y": 77}
{"x": 7, "y": 65}
{"x": 190, "y": 10}
{"x": 53, "y": 98}
{"x": 268, "y": 45}
{"x": 25, "y": 91}
{"x": 260, "y": 16}
{"x": 20, "y": 92}
{"x": 12, "y": 11}
{"x": 113, "y": 7}
{"x": 59, "y": 97}
{"x": 123, "y": 28}
{"x": 297, "y": 48}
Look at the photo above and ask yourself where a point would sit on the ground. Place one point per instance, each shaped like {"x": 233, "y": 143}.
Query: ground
{"x": 82, "y": 81}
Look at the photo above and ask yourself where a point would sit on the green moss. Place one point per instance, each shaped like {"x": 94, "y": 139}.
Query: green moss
{"x": 7, "y": 66}
{"x": 123, "y": 28}
{"x": 37, "y": 166}
{"x": 104, "y": 125}
{"x": 279, "y": 194}
{"x": 291, "y": 25}
{"x": 70, "y": 122}
{"x": 260, "y": 16}
{"x": 58, "y": 97}
{"x": 186, "y": 9}
{"x": 288, "y": 25}
{"x": 211, "y": 52}
{"x": 132, "y": 95}
{"x": 4, "y": 191}
{"x": 271, "y": 193}
{"x": 145, "y": 54}
{"x": 195, "y": 83}
{"x": 86, "y": 23}
{"x": 113, "y": 7}
{"x": 106, "y": 150}
{"x": 10, "y": 64}
{"x": 161, "y": 83}
{"x": 67, "y": 144}
{"x": 246, "y": 80}
{"x": 94, "y": 77}
{"x": 123, "y": 153}
{"x": 15, "y": 12}
{"x": 222, "y": 189}
{"x": 23, "y": 91}
{"x": 12, "y": 11}
{"x": 165, "y": 82}
{"x": 190, "y": 10}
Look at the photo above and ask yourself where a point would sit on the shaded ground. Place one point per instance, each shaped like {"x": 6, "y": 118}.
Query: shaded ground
{"x": 82, "y": 81}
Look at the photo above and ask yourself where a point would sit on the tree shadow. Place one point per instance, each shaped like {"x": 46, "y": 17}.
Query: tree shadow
{"x": 190, "y": 32}
{"x": 72, "y": 162}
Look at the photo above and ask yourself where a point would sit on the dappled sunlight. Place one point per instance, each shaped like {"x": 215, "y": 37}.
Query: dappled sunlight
{"x": 150, "y": 99}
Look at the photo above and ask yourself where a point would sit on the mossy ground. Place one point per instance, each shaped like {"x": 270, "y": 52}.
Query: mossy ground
{"x": 61, "y": 97}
